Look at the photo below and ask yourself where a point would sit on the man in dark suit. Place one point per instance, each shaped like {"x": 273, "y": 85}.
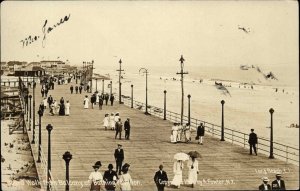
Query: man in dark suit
{"x": 252, "y": 141}
{"x": 118, "y": 126}
{"x": 265, "y": 185}
{"x": 278, "y": 184}
{"x": 110, "y": 177}
{"x": 50, "y": 101}
{"x": 119, "y": 157}
{"x": 127, "y": 128}
{"x": 160, "y": 179}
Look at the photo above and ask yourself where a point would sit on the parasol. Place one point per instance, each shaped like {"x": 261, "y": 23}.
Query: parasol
{"x": 181, "y": 156}
{"x": 194, "y": 154}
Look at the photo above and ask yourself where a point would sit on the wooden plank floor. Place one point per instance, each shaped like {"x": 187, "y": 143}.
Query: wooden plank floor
{"x": 223, "y": 166}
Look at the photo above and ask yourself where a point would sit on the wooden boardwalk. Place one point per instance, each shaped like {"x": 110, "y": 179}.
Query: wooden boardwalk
{"x": 223, "y": 166}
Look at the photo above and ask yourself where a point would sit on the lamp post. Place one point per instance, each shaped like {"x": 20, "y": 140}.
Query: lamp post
{"x": 110, "y": 88}
{"x": 271, "y": 136}
{"x": 30, "y": 96}
{"x": 145, "y": 71}
{"x": 189, "y": 109}
{"x": 222, "y": 126}
{"x": 102, "y": 86}
{"x": 131, "y": 95}
{"x": 120, "y": 70}
{"x": 91, "y": 89}
{"x": 182, "y": 89}
{"x": 49, "y": 129}
{"x": 96, "y": 84}
{"x": 40, "y": 135}
{"x": 67, "y": 157}
{"x": 33, "y": 113}
{"x": 165, "y": 104}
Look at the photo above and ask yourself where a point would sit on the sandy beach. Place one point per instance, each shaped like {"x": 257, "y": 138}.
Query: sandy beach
{"x": 18, "y": 168}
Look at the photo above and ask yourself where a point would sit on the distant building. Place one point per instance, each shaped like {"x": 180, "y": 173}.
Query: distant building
{"x": 46, "y": 64}
{"x": 16, "y": 65}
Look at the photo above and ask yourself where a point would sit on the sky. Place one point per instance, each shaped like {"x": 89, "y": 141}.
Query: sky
{"x": 154, "y": 34}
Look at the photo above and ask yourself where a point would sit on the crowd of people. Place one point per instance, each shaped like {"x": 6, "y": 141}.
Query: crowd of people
{"x": 112, "y": 178}
{"x": 113, "y": 121}
{"x": 182, "y": 133}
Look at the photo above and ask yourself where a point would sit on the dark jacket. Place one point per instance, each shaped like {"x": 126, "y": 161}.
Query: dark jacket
{"x": 108, "y": 177}
{"x": 262, "y": 188}
{"x": 93, "y": 98}
{"x": 119, "y": 155}
{"x": 200, "y": 131}
{"x": 126, "y": 125}
{"x": 100, "y": 101}
{"x": 252, "y": 138}
{"x": 112, "y": 98}
{"x": 160, "y": 179}
{"x": 119, "y": 126}
{"x": 275, "y": 185}
{"x": 50, "y": 100}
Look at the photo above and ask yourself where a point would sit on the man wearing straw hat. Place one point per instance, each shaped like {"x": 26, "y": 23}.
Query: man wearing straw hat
{"x": 264, "y": 185}
{"x": 278, "y": 184}
{"x": 119, "y": 157}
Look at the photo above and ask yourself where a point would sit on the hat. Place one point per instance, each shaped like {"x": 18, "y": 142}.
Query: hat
{"x": 97, "y": 164}
{"x": 110, "y": 166}
{"x": 265, "y": 179}
{"x": 278, "y": 174}
{"x": 252, "y": 129}
{"x": 125, "y": 167}
{"x": 120, "y": 145}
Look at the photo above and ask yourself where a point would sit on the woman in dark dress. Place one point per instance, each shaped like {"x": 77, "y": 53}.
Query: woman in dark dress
{"x": 62, "y": 107}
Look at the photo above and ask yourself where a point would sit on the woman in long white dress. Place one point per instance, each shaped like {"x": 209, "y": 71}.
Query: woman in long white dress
{"x": 67, "y": 108}
{"x": 125, "y": 179}
{"x": 177, "y": 170}
{"x": 86, "y": 102}
{"x": 174, "y": 133}
{"x": 193, "y": 171}
{"x": 187, "y": 132}
{"x": 112, "y": 121}
{"x": 106, "y": 121}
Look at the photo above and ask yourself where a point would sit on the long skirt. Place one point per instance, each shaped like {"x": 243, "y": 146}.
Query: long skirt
{"x": 177, "y": 180}
{"x": 193, "y": 177}
{"x": 95, "y": 186}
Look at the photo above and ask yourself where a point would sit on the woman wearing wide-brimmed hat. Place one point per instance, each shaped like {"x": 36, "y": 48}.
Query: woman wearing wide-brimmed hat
{"x": 96, "y": 177}
{"x": 125, "y": 179}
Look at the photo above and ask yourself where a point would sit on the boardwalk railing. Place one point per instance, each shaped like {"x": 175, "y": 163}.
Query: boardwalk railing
{"x": 281, "y": 151}
{"x": 35, "y": 148}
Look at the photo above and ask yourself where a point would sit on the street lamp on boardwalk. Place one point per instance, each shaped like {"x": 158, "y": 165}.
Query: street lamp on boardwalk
{"x": 271, "y": 136}
{"x": 120, "y": 70}
{"x": 110, "y": 88}
{"x": 222, "y": 126}
{"x": 103, "y": 86}
{"x": 40, "y": 112}
{"x": 189, "y": 109}
{"x": 33, "y": 113}
{"x": 182, "y": 89}
{"x": 49, "y": 129}
{"x": 165, "y": 104}
{"x": 145, "y": 71}
{"x": 131, "y": 95}
{"x": 30, "y": 96}
{"x": 96, "y": 84}
{"x": 67, "y": 157}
